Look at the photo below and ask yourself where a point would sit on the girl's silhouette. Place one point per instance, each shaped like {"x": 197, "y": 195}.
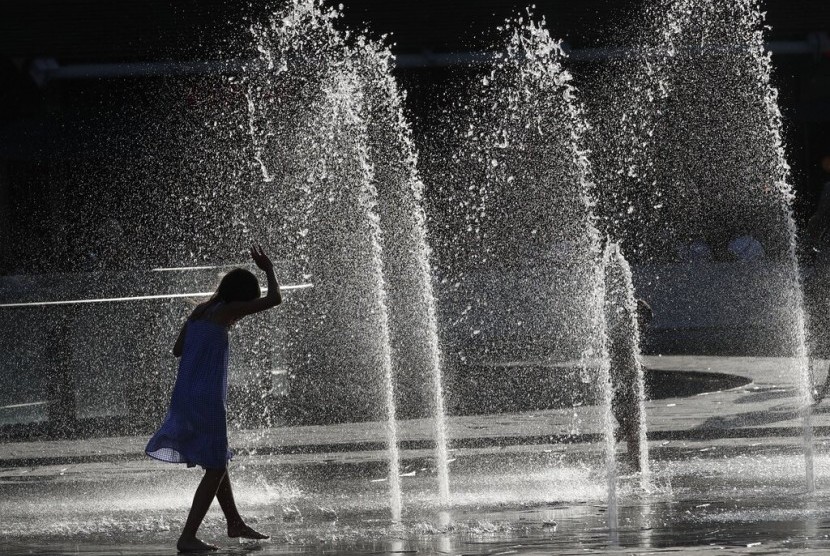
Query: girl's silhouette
{"x": 195, "y": 431}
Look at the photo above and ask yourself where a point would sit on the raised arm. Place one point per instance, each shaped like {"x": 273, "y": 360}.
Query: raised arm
{"x": 232, "y": 312}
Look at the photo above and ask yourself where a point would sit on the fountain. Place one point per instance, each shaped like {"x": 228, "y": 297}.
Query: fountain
{"x": 317, "y": 163}
{"x": 358, "y": 139}
{"x": 510, "y": 251}
{"x": 680, "y": 174}
{"x": 623, "y": 327}
{"x": 521, "y": 251}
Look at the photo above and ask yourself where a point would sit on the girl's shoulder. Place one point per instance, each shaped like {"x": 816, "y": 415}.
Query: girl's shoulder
{"x": 207, "y": 311}
{"x": 200, "y": 310}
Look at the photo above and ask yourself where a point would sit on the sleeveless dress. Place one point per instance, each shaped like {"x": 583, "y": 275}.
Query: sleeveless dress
{"x": 195, "y": 428}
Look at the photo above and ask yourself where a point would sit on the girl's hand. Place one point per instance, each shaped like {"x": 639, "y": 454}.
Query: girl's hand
{"x": 261, "y": 259}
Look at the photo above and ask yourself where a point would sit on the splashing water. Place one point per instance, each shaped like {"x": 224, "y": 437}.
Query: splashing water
{"x": 519, "y": 247}
{"x": 689, "y": 153}
{"x": 414, "y": 338}
{"x": 624, "y": 336}
{"x": 346, "y": 99}
{"x": 352, "y": 133}
{"x": 323, "y": 119}
{"x": 344, "y": 240}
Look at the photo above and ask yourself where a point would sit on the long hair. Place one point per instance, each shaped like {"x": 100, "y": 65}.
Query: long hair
{"x": 237, "y": 285}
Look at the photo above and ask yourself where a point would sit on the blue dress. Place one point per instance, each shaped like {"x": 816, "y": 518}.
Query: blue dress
{"x": 195, "y": 430}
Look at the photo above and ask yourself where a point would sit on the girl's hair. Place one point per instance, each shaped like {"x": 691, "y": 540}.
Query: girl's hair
{"x": 237, "y": 285}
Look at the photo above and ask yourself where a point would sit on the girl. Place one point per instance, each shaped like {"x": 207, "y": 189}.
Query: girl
{"x": 194, "y": 431}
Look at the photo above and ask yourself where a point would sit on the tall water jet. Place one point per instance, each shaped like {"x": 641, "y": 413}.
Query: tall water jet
{"x": 348, "y": 123}
{"x": 345, "y": 324}
{"x": 519, "y": 250}
{"x": 353, "y": 159}
{"x": 691, "y": 162}
{"x": 623, "y": 326}
{"x": 407, "y": 267}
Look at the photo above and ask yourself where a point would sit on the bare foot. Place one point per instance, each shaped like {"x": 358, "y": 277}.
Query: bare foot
{"x": 243, "y": 531}
{"x": 193, "y": 544}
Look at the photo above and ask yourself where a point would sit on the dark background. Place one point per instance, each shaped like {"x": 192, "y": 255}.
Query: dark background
{"x": 80, "y": 84}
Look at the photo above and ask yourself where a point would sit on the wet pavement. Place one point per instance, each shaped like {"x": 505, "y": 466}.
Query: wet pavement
{"x": 727, "y": 476}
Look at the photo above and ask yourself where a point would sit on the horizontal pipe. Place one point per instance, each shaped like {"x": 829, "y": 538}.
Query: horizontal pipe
{"x": 45, "y": 70}
{"x": 131, "y": 298}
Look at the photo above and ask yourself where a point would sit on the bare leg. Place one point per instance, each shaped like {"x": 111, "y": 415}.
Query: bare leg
{"x": 236, "y": 525}
{"x": 201, "y": 503}
{"x": 225, "y": 497}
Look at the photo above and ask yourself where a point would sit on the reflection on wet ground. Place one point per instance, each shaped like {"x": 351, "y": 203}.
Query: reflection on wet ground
{"x": 728, "y": 476}
{"x": 741, "y": 496}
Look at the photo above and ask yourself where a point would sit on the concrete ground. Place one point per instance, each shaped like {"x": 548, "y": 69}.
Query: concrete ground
{"x": 727, "y": 466}
{"x": 767, "y": 407}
